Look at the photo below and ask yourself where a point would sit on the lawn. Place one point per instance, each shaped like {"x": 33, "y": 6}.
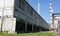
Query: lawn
{"x": 30, "y": 34}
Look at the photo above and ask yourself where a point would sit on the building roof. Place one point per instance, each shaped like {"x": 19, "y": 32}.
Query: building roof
{"x": 56, "y": 13}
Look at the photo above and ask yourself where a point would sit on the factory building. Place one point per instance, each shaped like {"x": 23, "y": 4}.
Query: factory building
{"x": 19, "y": 16}
{"x": 54, "y": 20}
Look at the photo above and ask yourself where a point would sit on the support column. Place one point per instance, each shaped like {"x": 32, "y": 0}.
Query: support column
{"x": 36, "y": 28}
{"x": 39, "y": 29}
{"x": 32, "y": 28}
{"x": 25, "y": 26}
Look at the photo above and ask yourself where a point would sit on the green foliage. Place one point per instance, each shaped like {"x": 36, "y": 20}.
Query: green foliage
{"x": 29, "y": 34}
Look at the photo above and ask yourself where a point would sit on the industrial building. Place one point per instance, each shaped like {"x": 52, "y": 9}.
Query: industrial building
{"x": 20, "y": 16}
{"x": 54, "y": 20}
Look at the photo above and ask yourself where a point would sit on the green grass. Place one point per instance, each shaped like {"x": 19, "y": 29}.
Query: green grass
{"x": 29, "y": 34}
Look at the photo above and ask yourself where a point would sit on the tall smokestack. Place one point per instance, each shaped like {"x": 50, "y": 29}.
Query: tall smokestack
{"x": 39, "y": 7}
{"x": 51, "y": 10}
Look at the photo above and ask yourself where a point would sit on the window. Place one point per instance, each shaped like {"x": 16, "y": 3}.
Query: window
{"x": 31, "y": 11}
{"x": 28, "y": 8}
{"x": 20, "y": 3}
{"x": 15, "y": 9}
{"x": 23, "y": 5}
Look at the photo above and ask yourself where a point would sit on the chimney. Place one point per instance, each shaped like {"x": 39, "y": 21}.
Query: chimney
{"x": 39, "y": 7}
{"x": 51, "y": 10}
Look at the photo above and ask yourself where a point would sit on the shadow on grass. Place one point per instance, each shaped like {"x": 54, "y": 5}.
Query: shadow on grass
{"x": 27, "y": 32}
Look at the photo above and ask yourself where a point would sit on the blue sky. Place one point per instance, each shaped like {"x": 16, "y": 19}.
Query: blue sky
{"x": 44, "y": 7}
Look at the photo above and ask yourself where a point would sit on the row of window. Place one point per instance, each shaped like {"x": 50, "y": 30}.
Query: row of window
{"x": 22, "y": 4}
{"x": 26, "y": 7}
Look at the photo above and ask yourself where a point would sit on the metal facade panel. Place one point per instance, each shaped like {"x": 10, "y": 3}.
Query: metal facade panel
{"x": 9, "y": 3}
{"x": 1, "y": 10}
{"x": 7, "y": 24}
{"x": 14, "y": 25}
{"x": 59, "y": 24}
{"x": 55, "y": 24}
{"x": 6, "y": 6}
{"x": 8, "y": 11}
{"x": 1, "y": 3}
{"x": 0, "y": 24}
